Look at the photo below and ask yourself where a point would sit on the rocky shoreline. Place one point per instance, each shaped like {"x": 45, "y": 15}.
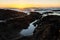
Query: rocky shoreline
{"x": 48, "y": 27}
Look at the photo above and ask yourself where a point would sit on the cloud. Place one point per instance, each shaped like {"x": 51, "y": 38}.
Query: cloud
{"x": 29, "y": 1}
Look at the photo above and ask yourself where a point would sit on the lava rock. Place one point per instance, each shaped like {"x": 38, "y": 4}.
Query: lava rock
{"x": 12, "y": 22}
{"x": 48, "y": 28}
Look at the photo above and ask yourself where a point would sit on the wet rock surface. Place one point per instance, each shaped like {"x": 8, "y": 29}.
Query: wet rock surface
{"x": 13, "y": 23}
{"x": 48, "y": 28}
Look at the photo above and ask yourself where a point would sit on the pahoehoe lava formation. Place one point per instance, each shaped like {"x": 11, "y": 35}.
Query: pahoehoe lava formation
{"x": 48, "y": 28}
{"x": 12, "y": 22}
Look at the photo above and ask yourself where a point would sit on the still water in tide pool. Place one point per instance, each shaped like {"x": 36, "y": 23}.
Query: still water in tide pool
{"x": 29, "y": 31}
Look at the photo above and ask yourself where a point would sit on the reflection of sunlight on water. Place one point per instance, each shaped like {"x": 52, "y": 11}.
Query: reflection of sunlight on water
{"x": 55, "y": 13}
{"x": 28, "y": 31}
{"x": 31, "y": 28}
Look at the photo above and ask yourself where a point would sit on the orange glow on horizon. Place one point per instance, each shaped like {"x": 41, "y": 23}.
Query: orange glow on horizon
{"x": 28, "y": 5}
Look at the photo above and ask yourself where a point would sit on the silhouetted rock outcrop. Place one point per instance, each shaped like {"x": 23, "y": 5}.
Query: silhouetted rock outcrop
{"x": 56, "y": 10}
{"x": 12, "y": 22}
{"x": 47, "y": 12}
{"x": 38, "y": 17}
{"x": 48, "y": 28}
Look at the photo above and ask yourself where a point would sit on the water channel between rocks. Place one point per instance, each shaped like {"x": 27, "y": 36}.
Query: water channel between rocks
{"x": 29, "y": 31}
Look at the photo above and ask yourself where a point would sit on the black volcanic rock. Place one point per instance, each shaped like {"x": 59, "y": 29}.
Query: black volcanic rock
{"x": 37, "y": 15}
{"x": 47, "y": 12}
{"x": 6, "y": 14}
{"x": 12, "y": 22}
{"x": 48, "y": 28}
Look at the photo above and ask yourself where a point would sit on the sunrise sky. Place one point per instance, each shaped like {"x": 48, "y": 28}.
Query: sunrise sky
{"x": 29, "y": 3}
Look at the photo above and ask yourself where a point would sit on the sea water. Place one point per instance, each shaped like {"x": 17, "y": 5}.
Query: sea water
{"x": 29, "y": 31}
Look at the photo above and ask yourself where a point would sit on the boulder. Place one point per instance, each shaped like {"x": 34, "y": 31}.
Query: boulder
{"x": 48, "y": 28}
